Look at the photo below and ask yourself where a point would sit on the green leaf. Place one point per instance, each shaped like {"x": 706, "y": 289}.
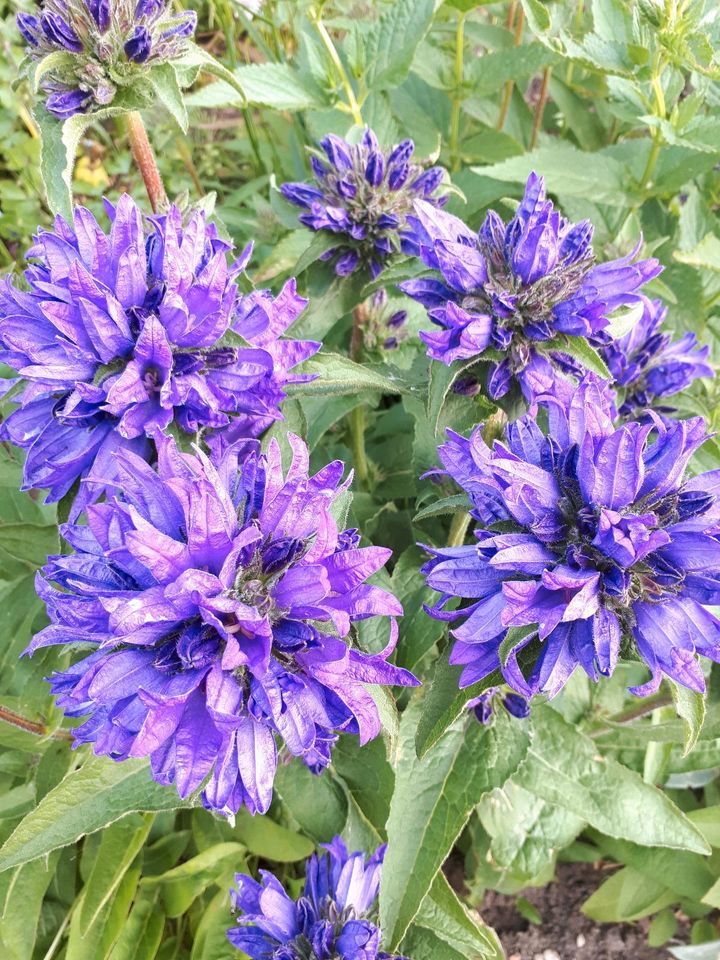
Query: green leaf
{"x": 265, "y": 838}
{"x": 87, "y": 799}
{"x": 338, "y": 376}
{"x": 99, "y": 940}
{"x": 703, "y": 951}
{"x": 580, "y": 350}
{"x": 444, "y": 916}
{"x": 567, "y": 171}
{"x": 272, "y": 85}
{"x": 443, "y": 506}
{"x": 316, "y": 804}
{"x": 163, "y": 79}
{"x": 29, "y": 542}
{"x": 142, "y": 931}
{"x": 627, "y": 895}
{"x": 183, "y": 884}
{"x": 443, "y": 704}
{"x": 489, "y": 72}
{"x": 210, "y": 941}
{"x": 431, "y": 804}
{"x": 120, "y": 844}
{"x": 564, "y": 767}
{"x": 690, "y": 707}
{"x": 705, "y": 255}
{"x": 320, "y": 243}
{"x": 513, "y": 638}
{"x": 391, "y": 43}
{"x": 662, "y": 928}
{"x": 22, "y": 905}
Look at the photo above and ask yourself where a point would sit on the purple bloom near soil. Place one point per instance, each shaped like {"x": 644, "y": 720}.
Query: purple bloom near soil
{"x": 363, "y": 195}
{"x": 106, "y": 43}
{"x": 219, "y": 601}
{"x": 512, "y": 293}
{"x": 650, "y": 366}
{"x": 123, "y": 334}
{"x": 592, "y": 541}
{"x": 334, "y": 919}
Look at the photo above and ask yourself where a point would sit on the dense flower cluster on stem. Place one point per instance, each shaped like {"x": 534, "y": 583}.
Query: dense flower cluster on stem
{"x": 219, "y": 601}
{"x": 363, "y": 195}
{"x": 649, "y": 365}
{"x": 123, "y": 334}
{"x": 332, "y": 920}
{"x": 514, "y": 293}
{"x": 104, "y": 45}
{"x": 593, "y": 544}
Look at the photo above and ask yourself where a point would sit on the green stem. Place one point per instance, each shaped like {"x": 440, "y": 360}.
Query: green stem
{"x": 352, "y": 105}
{"x": 358, "y": 423}
{"x": 144, "y": 157}
{"x": 540, "y": 108}
{"x": 660, "y": 112}
{"x": 458, "y": 92}
{"x": 517, "y": 37}
{"x": 458, "y": 528}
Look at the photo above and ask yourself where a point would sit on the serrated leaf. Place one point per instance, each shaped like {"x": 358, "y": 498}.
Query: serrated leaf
{"x": 391, "y": 43}
{"x": 273, "y": 85}
{"x": 319, "y": 244}
{"x": 164, "y": 80}
{"x": 705, "y": 255}
{"x": 579, "y": 349}
{"x": 338, "y": 376}
{"x": 690, "y": 707}
{"x": 443, "y": 506}
{"x": 431, "y": 804}
{"x": 564, "y": 767}
{"x": 87, "y": 799}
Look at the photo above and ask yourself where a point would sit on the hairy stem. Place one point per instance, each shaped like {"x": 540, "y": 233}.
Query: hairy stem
{"x": 660, "y": 112}
{"x": 357, "y": 418}
{"x": 30, "y": 726}
{"x": 517, "y": 37}
{"x": 540, "y": 108}
{"x": 144, "y": 157}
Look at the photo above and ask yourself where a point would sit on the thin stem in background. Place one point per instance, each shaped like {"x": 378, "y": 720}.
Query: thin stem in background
{"x": 145, "y": 159}
{"x": 517, "y": 37}
{"x": 357, "y": 418}
{"x": 457, "y": 93}
{"x": 661, "y": 113}
{"x": 352, "y": 104}
{"x": 540, "y": 108}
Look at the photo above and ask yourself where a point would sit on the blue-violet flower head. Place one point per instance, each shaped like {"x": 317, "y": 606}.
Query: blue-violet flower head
{"x": 106, "y": 45}
{"x": 122, "y": 334}
{"x": 219, "y": 599}
{"x": 334, "y": 919}
{"x": 650, "y": 366}
{"x": 513, "y": 293}
{"x": 592, "y": 541}
{"x": 363, "y": 195}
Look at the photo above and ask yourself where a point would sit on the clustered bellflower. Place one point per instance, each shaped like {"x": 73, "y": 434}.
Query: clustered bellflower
{"x": 105, "y": 45}
{"x": 122, "y": 334}
{"x": 334, "y": 919}
{"x": 511, "y": 293}
{"x": 363, "y": 195}
{"x": 218, "y": 600}
{"x": 592, "y": 542}
{"x": 650, "y": 366}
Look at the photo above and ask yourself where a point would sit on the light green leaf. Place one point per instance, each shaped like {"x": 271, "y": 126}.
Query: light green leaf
{"x": 564, "y": 767}
{"x": 273, "y": 85}
{"x": 690, "y": 707}
{"x": 627, "y": 895}
{"x": 142, "y": 931}
{"x": 99, "y": 940}
{"x": 705, "y": 255}
{"x": 87, "y": 799}
{"x": 21, "y": 908}
{"x": 164, "y": 80}
{"x": 391, "y": 43}
{"x": 319, "y": 243}
{"x": 29, "y": 542}
{"x": 265, "y": 838}
{"x": 210, "y": 941}
{"x": 316, "y": 804}
{"x": 338, "y": 376}
{"x": 182, "y": 885}
{"x": 431, "y": 804}
{"x": 120, "y": 844}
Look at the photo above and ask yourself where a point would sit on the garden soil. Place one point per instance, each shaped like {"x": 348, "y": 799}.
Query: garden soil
{"x": 565, "y": 933}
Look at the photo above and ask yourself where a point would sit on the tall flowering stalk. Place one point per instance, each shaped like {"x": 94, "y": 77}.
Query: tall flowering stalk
{"x": 334, "y": 919}
{"x": 100, "y": 47}
{"x": 125, "y": 333}
{"x": 363, "y": 195}
{"x": 592, "y": 544}
{"x": 515, "y": 294}
{"x": 219, "y": 602}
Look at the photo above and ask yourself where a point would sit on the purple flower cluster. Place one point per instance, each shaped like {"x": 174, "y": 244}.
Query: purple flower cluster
{"x": 649, "y": 366}
{"x": 515, "y": 293}
{"x": 332, "y": 920}
{"x": 106, "y": 44}
{"x": 364, "y": 195}
{"x": 124, "y": 334}
{"x": 219, "y": 601}
{"x": 592, "y": 543}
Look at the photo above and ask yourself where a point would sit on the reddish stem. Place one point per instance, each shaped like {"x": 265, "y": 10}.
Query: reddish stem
{"x": 144, "y": 157}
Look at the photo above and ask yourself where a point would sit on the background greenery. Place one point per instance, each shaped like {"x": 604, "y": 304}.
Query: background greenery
{"x": 616, "y": 103}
